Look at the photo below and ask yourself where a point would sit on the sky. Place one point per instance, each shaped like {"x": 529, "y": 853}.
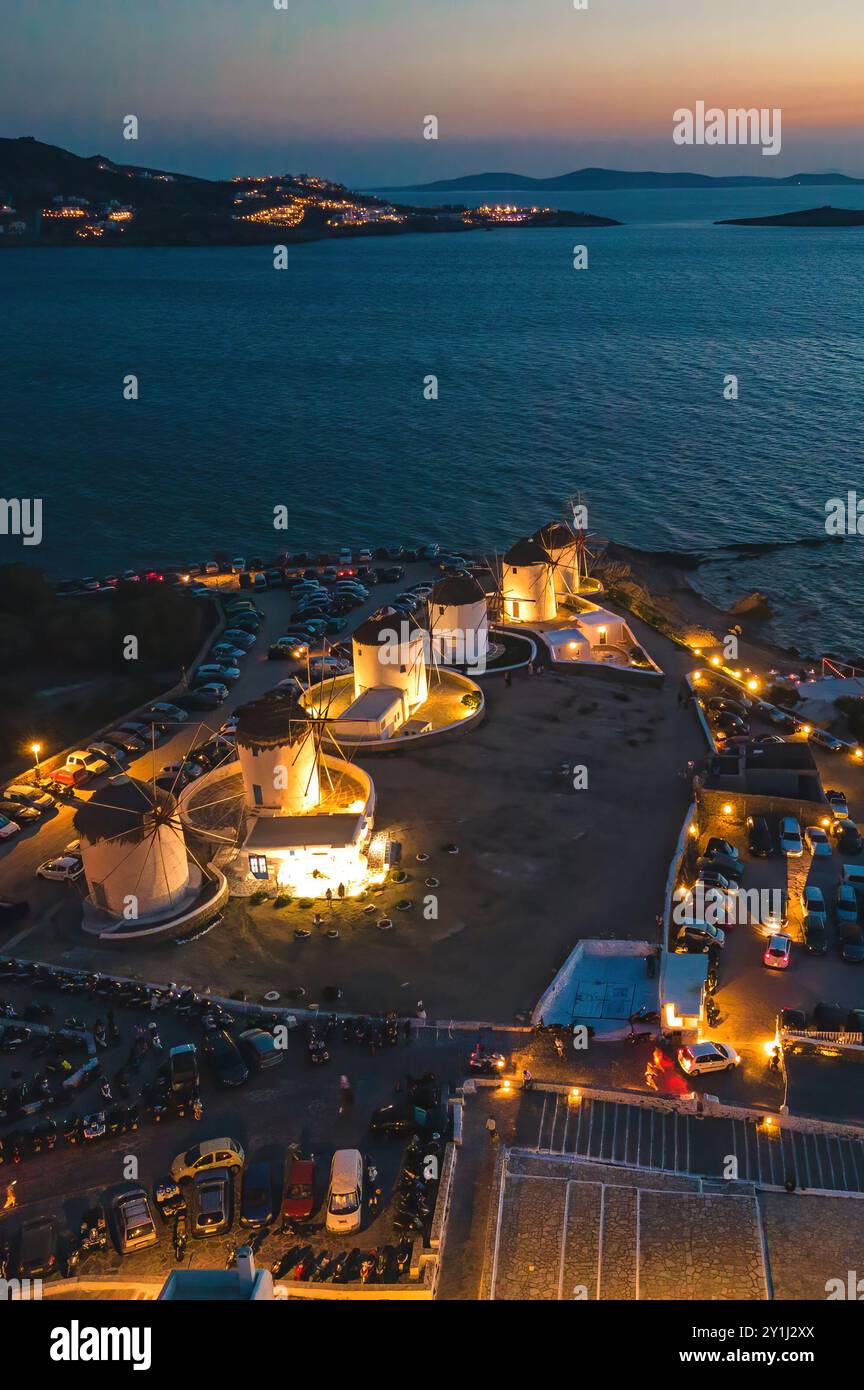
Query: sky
{"x": 341, "y": 87}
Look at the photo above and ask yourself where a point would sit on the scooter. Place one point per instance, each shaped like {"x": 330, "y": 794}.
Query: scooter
{"x": 367, "y": 1265}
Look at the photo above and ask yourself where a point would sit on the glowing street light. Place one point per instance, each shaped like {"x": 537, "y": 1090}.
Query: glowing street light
{"x": 36, "y": 749}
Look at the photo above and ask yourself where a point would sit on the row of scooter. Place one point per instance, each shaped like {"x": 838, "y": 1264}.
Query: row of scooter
{"x": 383, "y": 1265}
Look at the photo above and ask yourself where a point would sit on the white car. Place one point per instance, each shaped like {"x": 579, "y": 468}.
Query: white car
{"x": 212, "y": 672}
{"x": 817, "y": 842}
{"x": 329, "y": 666}
{"x": 696, "y": 1058}
{"x": 66, "y": 869}
{"x": 8, "y": 828}
{"x": 29, "y": 796}
{"x": 839, "y": 805}
{"x": 790, "y": 838}
{"x": 191, "y": 770}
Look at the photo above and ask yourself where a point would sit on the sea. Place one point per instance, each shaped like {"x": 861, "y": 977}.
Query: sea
{"x": 457, "y": 388}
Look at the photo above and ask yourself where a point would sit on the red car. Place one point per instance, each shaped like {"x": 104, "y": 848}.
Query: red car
{"x": 298, "y": 1197}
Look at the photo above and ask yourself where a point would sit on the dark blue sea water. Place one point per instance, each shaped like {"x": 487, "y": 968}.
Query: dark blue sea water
{"x": 304, "y": 387}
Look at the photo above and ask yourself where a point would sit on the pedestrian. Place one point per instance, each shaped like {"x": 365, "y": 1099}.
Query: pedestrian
{"x": 11, "y": 1200}
{"x": 318, "y": 922}
{"x": 530, "y": 668}
{"x": 508, "y": 679}
{"x": 492, "y": 1130}
{"x": 406, "y": 1029}
{"x": 346, "y": 1095}
{"x": 329, "y": 896}
{"x": 341, "y": 892}
{"x": 527, "y": 1080}
{"x": 421, "y": 1012}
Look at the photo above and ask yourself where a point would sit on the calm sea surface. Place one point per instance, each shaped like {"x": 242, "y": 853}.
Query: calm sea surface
{"x": 305, "y": 388}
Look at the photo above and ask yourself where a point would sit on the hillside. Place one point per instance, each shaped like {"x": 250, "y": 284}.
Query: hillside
{"x": 600, "y": 180}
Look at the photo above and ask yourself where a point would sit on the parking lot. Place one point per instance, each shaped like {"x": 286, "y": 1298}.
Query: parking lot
{"x": 750, "y": 994}
{"x": 294, "y": 1103}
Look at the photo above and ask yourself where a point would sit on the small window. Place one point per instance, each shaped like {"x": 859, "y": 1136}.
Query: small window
{"x": 403, "y": 669}
{"x": 258, "y": 866}
{"x": 257, "y": 794}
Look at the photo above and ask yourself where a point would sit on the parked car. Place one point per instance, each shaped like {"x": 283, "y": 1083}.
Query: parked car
{"x": 780, "y": 718}
{"x": 65, "y": 869}
{"x": 701, "y": 936}
{"x": 30, "y": 796}
{"x": 239, "y": 637}
{"x": 846, "y": 836}
{"x": 759, "y": 838}
{"x": 183, "y": 1069}
{"x": 224, "y": 651}
{"x": 827, "y": 741}
{"x": 729, "y": 723}
{"x": 390, "y": 574}
{"x": 257, "y": 1207}
{"x": 209, "y": 1154}
{"x": 134, "y": 1227}
{"x": 224, "y": 1059}
{"x": 115, "y": 757}
{"x": 700, "y": 1057}
{"x": 851, "y": 943}
{"x": 344, "y": 1206}
{"x": 846, "y": 907}
{"x": 164, "y": 709}
{"x": 838, "y": 803}
{"x": 812, "y": 898}
{"x": 215, "y": 671}
{"x": 36, "y": 1248}
{"x": 817, "y": 842}
{"x": 20, "y": 815}
{"x": 202, "y": 699}
{"x": 406, "y": 1118}
{"x": 260, "y": 1049}
{"x": 815, "y": 933}
{"x": 731, "y": 868}
{"x": 80, "y": 766}
{"x": 790, "y": 838}
{"x": 214, "y": 688}
{"x": 298, "y": 1193}
{"x": 778, "y": 952}
{"x": 213, "y": 1202}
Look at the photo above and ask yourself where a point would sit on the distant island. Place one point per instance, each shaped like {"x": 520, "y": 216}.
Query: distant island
{"x": 51, "y": 197}
{"x": 813, "y": 217}
{"x": 604, "y": 180}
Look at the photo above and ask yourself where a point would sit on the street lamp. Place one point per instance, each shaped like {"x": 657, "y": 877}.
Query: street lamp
{"x": 36, "y": 749}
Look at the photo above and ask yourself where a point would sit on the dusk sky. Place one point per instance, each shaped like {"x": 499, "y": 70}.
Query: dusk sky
{"x": 340, "y": 87}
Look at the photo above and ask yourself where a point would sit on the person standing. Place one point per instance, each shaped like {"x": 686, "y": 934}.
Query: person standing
{"x": 329, "y": 896}
{"x": 346, "y": 1095}
{"x": 341, "y": 892}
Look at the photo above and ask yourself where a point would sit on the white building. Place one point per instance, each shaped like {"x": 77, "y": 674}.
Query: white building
{"x": 390, "y": 650}
{"x": 276, "y": 746}
{"x": 133, "y": 849}
{"x": 459, "y": 621}
{"x": 528, "y": 584}
{"x": 562, "y": 549}
{"x": 309, "y": 816}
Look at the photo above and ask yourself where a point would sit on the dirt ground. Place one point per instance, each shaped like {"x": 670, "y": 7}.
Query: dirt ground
{"x": 540, "y": 864}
